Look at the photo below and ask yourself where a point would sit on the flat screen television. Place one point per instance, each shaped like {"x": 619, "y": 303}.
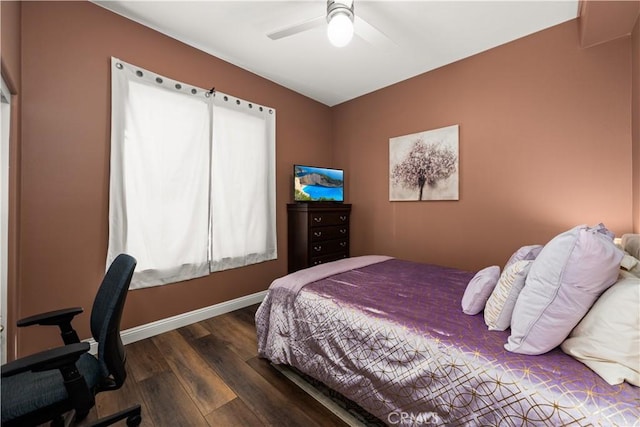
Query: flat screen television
{"x": 316, "y": 184}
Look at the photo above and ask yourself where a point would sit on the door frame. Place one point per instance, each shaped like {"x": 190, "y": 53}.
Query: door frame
{"x": 5, "y": 123}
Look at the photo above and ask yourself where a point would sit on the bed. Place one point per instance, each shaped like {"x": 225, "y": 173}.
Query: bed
{"x": 390, "y": 335}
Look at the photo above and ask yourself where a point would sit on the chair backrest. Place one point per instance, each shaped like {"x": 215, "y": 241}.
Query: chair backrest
{"x": 105, "y": 318}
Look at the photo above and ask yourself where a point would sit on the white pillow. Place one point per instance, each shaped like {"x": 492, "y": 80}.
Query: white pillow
{"x": 499, "y": 307}
{"x": 478, "y": 290}
{"x": 630, "y": 264}
{"x": 631, "y": 244}
{"x": 607, "y": 340}
{"x": 570, "y": 273}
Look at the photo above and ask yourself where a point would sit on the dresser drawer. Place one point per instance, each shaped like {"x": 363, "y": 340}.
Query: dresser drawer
{"x": 328, "y": 218}
{"x": 328, "y": 258}
{"x": 319, "y": 234}
{"x": 330, "y": 246}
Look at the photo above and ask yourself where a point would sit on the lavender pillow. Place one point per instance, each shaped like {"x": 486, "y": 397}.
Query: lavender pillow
{"x": 525, "y": 253}
{"x": 572, "y": 270}
{"x": 479, "y": 289}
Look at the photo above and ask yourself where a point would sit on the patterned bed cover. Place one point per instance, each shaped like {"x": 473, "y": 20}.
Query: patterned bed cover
{"x": 391, "y": 336}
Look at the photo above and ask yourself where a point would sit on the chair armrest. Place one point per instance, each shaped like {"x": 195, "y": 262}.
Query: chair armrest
{"x": 54, "y": 358}
{"x": 61, "y": 318}
{"x": 51, "y": 318}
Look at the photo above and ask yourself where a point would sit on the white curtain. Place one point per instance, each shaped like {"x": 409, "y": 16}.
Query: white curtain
{"x": 242, "y": 184}
{"x": 192, "y": 184}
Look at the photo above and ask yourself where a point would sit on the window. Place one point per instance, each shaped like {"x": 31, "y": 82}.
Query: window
{"x": 192, "y": 187}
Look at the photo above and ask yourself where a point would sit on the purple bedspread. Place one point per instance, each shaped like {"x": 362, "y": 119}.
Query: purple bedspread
{"x": 392, "y": 337}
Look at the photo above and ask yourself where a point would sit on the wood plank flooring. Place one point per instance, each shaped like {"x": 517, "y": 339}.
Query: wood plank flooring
{"x": 208, "y": 374}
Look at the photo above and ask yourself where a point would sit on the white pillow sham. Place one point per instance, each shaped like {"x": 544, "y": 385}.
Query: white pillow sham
{"x": 631, "y": 244}
{"x": 607, "y": 339}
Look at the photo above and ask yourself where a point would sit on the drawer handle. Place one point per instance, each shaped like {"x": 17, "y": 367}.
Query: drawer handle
{"x": 317, "y": 262}
{"x": 343, "y": 244}
{"x": 343, "y": 217}
{"x": 317, "y": 233}
{"x": 317, "y": 218}
{"x": 343, "y": 231}
{"x": 317, "y": 248}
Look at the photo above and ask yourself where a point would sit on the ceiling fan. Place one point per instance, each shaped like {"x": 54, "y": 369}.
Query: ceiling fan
{"x": 341, "y": 23}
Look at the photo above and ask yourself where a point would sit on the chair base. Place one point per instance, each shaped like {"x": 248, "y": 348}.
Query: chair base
{"x": 133, "y": 416}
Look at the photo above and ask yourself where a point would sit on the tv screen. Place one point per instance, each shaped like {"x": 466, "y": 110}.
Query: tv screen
{"x": 314, "y": 184}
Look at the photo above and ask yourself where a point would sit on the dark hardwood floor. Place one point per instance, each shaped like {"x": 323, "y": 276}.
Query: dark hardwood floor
{"x": 208, "y": 374}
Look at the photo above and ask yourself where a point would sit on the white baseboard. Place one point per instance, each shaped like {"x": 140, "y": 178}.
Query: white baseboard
{"x": 160, "y": 326}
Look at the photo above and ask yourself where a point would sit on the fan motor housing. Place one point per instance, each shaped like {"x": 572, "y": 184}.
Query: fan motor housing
{"x": 335, "y": 7}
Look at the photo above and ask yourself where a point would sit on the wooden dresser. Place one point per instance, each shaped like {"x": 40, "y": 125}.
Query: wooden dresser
{"x": 317, "y": 233}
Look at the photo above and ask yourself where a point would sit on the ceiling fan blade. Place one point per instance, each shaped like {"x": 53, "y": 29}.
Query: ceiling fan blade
{"x": 298, "y": 28}
{"x": 371, "y": 34}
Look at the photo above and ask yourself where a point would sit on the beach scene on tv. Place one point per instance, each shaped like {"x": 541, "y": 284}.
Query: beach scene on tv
{"x": 314, "y": 184}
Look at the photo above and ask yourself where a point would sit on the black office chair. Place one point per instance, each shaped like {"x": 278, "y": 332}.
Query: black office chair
{"x": 63, "y": 381}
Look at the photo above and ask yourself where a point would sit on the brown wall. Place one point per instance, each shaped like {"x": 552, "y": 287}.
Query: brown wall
{"x": 65, "y": 159}
{"x": 10, "y": 50}
{"x": 635, "y": 71}
{"x": 603, "y": 21}
{"x": 545, "y": 143}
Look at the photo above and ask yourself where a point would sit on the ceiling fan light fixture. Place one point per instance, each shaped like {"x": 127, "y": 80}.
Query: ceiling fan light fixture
{"x": 340, "y": 19}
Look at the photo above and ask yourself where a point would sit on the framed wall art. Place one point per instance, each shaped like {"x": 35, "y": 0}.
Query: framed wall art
{"x": 424, "y": 165}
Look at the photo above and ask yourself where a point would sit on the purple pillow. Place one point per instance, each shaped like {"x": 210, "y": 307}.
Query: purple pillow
{"x": 479, "y": 289}
{"x": 525, "y": 253}
{"x": 569, "y": 274}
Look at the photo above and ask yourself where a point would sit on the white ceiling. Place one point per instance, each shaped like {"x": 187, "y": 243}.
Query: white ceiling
{"x": 420, "y": 36}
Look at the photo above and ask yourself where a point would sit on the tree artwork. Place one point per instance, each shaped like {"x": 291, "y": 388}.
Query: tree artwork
{"x": 424, "y": 166}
